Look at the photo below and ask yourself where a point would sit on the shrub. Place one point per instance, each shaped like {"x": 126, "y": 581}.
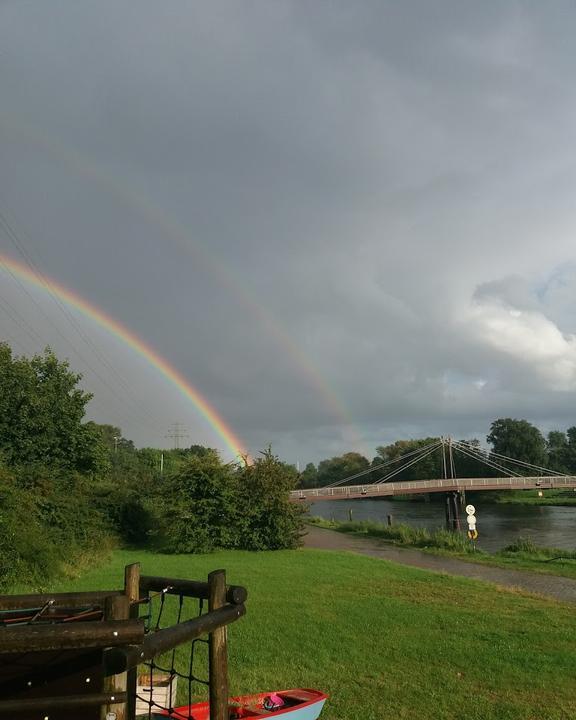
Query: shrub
{"x": 267, "y": 518}
{"x": 195, "y": 509}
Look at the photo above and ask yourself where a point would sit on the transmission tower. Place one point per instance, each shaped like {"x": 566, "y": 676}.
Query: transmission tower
{"x": 177, "y": 433}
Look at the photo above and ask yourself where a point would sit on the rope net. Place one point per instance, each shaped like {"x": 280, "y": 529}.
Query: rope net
{"x": 170, "y": 680}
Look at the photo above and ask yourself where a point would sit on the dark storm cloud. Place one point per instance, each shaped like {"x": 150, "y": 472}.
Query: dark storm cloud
{"x": 386, "y": 187}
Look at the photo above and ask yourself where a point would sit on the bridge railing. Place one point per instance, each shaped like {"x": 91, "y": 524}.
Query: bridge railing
{"x": 408, "y": 487}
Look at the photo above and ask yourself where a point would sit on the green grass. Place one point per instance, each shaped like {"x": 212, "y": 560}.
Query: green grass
{"x": 523, "y": 555}
{"x": 530, "y": 497}
{"x": 386, "y": 641}
{"x": 399, "y": 534}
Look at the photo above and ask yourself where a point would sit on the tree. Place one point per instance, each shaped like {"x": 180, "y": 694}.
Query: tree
{"x": 467, "y": 466}
{"x": 429, "y": 467}
{"x": 267, "y": 519}
{"x": 196, "y": 507}
{"x": 41, "y": 412}
{"x": 341, "y": 467}
{"x": 570, "y": 451}
{"x": 558, "y": 451}
{"x": 309, "y": 478}
{"x": 517, "y": 439}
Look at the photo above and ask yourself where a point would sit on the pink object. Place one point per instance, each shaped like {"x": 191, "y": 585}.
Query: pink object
{"x": 276, "y": 700}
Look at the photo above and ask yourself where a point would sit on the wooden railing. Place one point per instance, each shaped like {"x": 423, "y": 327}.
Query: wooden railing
{"x": 107, "y": 649}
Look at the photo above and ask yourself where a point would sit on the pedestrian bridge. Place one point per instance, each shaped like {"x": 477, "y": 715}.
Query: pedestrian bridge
{"x": 386, "y": 489}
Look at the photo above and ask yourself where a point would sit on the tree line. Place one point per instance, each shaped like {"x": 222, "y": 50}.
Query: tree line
{"x": 510, "y": 437}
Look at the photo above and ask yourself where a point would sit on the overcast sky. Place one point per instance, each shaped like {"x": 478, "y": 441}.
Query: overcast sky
{"x": 344, "y": 222}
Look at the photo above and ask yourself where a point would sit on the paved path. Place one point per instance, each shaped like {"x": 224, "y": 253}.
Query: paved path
{"x": 560, "y": 588}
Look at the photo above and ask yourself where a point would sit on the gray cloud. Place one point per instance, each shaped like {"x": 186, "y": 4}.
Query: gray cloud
{"x": 325, "y": 215}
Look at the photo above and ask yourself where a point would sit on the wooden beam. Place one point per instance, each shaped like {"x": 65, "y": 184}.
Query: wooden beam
{"x": 10, "y": 707}
{"x": 235, "y": 594}
{"x": 132, "y": 592}
{"x": 217, "y": 650}
{"x": 34, "y": 638}
{"x": 117, "y": 608}
{"x": 72, "y": 599}
{"x": 118, "y": 659}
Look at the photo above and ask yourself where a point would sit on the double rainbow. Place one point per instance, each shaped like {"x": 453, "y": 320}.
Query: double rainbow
{"x": 116, "y": 328}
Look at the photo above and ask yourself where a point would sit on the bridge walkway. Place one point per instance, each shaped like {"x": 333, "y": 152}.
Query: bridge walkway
{"x": 349, "y": 492}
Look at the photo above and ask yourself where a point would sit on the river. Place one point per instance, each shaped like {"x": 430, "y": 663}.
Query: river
{"x": 497, "y": 525}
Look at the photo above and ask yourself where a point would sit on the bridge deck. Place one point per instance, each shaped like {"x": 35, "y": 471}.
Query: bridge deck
{"x": 349, "y": 492}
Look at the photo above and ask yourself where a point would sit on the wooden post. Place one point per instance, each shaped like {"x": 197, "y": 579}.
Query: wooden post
{"x": 117, "y": 607}
{"x": 389, "y": 520}
{"x": 350, "y": 514}
{"x": 218, "y": 651}
{"x": 132, "y": 592}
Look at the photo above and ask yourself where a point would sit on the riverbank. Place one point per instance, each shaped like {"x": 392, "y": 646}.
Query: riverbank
{"x": 499, "y": 525}
{"x": 383, "y": 639}
{"x": 521, "y": 555}
{"x": 554, "y": 498}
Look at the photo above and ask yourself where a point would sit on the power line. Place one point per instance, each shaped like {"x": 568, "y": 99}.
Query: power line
{"x": 17, "y": 243}
{"x": 13, "y": 237}
{"x": 177, "y": 433}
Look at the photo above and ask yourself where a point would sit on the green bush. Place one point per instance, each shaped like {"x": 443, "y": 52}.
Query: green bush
{"x": 47, "y": 524}
{"x": 266, "y": 517}
{"x": 207, "y": 505}
{"x": 195, "y": 509}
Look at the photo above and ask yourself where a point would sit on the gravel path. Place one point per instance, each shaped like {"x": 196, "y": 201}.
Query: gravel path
{"x": 560, "y": 588}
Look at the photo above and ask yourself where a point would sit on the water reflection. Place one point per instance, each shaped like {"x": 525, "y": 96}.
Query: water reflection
{"x": 498, "y": 525}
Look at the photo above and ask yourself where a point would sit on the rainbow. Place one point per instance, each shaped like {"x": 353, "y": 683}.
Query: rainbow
{"x": 181, "y": 236}
{"x": 174, "y": 376}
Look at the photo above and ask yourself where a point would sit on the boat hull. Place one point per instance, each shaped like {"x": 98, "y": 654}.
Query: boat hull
{"x": 300, "y": 704}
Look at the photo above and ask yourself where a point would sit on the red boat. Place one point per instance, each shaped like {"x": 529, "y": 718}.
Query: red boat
{"x": 296, "y": 704}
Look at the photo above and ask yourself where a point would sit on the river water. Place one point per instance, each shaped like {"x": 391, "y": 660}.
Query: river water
{"x": 497, "y": 525}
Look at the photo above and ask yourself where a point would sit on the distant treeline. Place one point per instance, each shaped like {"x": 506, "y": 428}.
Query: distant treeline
{"x": 508, "y": 437}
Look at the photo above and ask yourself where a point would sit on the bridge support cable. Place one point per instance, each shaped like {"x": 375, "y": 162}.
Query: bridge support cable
{"x": 489, "y": 459}
{"x": 387, "y": 463}
{"x": 405, "y": 466}
{"x": 477, "y": 455}
{"x": 527, "y": 465}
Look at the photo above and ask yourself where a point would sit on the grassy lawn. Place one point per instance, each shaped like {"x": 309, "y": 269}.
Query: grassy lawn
{"x": 523, "y": 556}
{"x": 386, "y": 641}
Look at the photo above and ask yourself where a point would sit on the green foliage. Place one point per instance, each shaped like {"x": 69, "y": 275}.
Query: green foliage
{"x": 195, "y": 507}
{"x": 428, "y": 467}
{"x": 47, "y": 523}
{"x": 525, "y": 546}
{"x": 309, "y": 478}
{"x": 338, "y": 468}
{"x": 41, "y": 411}
{"x": 267, "y": 519}
{"x": 208, "y": 505}
{"x": 518, "y": 439}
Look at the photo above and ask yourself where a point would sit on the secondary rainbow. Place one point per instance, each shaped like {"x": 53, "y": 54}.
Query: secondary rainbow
{"x": 116, "y": 328}
{"x": 214, "y": 265}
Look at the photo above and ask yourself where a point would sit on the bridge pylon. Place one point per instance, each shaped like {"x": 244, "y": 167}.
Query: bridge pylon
{"x": 453, "y": 503}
